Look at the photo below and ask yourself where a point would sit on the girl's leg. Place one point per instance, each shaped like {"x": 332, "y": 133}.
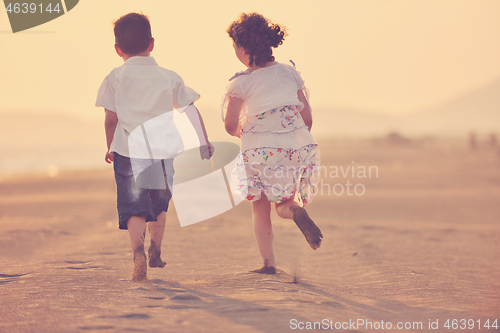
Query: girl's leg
{"x": 286, "y": 208}
{"x": 156, "y": 230}
{"x": 289, "y": 209}
{"x": 263, "y": 229}
{"x": 136, "y": 226}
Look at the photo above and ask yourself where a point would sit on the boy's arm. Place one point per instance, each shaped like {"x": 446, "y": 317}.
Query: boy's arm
{"x": 306, "y": 112}
{"x": 194, "y": 116}
{"x": 232, "y": 120}
{"x": 110, "y": 122}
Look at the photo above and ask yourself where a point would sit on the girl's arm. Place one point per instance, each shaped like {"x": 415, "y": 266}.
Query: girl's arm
{"x": 306, "y": 112}
{"x": 110, "y": 122}
{"x": 232, "y": 120}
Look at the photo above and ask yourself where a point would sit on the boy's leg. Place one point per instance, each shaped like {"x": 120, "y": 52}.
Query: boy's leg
{"x": 160, "y": 199}
{"x": 289, "y": 209}
{"x": 136, "y": 226}
{"x": 263, "y": 229}
{"x": 156, "y": 231}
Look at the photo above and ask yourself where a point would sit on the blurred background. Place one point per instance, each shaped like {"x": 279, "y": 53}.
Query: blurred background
{"x": 410, "y": 73}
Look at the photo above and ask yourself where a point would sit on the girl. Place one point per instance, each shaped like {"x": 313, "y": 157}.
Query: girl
{"x": 266, "y": 107}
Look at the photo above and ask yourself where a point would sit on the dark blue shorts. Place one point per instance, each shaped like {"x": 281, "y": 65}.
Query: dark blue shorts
{"x": 143, "y": 187}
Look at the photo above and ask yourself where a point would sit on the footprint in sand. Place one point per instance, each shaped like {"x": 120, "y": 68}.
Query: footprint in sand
{"x": 78, "y": 262}
{"x": 135, "y": 316}
{"x": 155, "y": 298}
{"x": 128, "y": 316}
{"x": 92, "y": 328}
{"x": 185, "y": 297}
{"x": 150, "y": 306}
{"x": 243, "y": 308}
{"x": 138, "y": 288}
{"x": 332, "y": 304}
{"x": 179, "y": 307}
{"x": 11, "y": 275}
{"x": 6, "y": 278}
{"x": 169, "y": 290}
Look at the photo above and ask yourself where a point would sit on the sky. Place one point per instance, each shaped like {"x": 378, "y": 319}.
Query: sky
{"x": 383, "y": 56}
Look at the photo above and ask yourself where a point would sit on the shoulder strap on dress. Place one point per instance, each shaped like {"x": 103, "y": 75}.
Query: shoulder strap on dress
{"x": 293, "y": 64}
{"x": 238, "y": 74}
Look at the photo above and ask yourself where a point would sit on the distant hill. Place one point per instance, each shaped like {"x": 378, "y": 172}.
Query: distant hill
{"x": 478, "y": 111}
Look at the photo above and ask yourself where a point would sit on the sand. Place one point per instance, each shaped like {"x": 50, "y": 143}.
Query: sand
{"x": 421, "y": 245}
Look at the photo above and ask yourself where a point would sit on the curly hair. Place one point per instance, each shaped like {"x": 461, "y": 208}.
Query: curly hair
{"x": 256, "y": 35}
{"x": 132, "y": 33}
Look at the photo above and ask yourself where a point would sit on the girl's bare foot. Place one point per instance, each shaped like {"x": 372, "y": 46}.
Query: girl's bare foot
{"x": 140, "y": 267}
{"x": 265, "y": 270}
{"x": 268, "y": 268}
{"x": 309, "y": 229}
{"x": 154, "y": 256}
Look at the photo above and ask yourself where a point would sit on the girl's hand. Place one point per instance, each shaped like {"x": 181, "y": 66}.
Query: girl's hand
{"x": 109, "y": 157}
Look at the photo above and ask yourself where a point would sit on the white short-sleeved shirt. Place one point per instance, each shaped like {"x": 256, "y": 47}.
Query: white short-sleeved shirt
{"x": 143, "y": 93}
{"x": 266, "y": 88}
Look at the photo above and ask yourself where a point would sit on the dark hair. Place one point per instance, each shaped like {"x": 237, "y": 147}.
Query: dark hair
{"x": 257, "y": 35}
{"x": 132, "y": 33}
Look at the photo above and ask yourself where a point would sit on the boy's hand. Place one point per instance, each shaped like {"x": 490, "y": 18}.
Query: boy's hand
{"x": 206, "y": 151}
{"x": 109, "y": 157}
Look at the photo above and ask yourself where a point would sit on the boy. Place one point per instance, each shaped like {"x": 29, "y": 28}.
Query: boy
{"x": 135, "y": 95}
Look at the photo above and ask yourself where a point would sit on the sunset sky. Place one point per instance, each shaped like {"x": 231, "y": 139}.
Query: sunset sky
{"x": 384, "y": 56}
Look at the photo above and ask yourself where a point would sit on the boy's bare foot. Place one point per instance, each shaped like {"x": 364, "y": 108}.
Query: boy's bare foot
{"x": 154, "y": 256}
{"x": 140, "y": 267}
{"x": 265, "y": 270}
{"x": 309, "y": 229}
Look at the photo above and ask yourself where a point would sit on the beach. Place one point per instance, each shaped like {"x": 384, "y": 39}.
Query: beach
{"x": 413, "y": 242}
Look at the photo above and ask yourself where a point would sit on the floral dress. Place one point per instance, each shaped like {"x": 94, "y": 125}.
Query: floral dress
{"x": 278, "y": 156}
